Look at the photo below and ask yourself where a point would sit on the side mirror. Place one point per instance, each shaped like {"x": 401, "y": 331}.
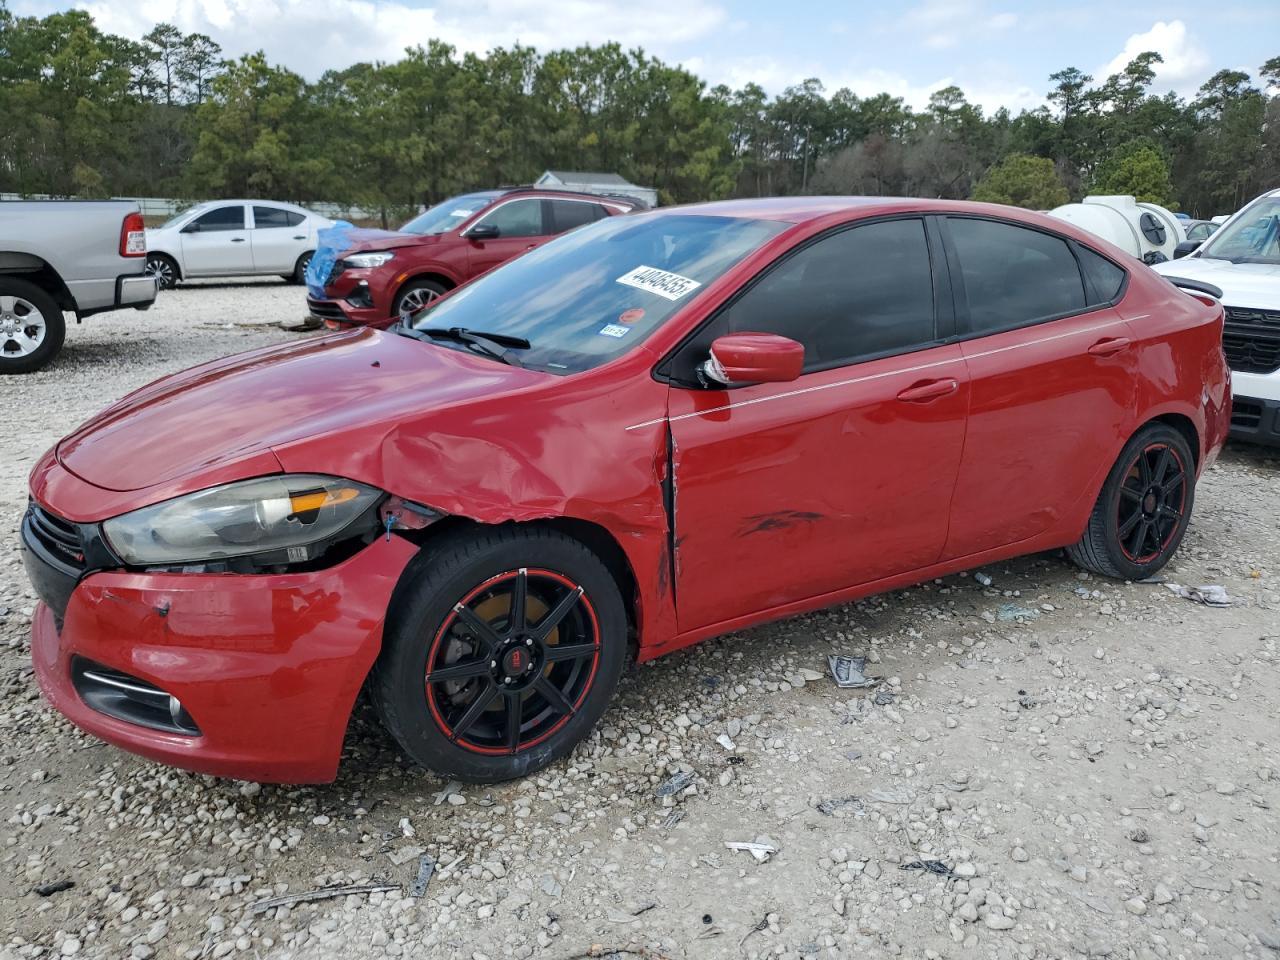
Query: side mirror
{"x": 753, "y": 358}
{"x": 192, "y": 227}
{"x": 484, "y": 231}
{"x": 1185, "y": 247}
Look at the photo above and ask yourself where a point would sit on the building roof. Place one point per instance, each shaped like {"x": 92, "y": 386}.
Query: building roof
{"x": 601, "y": 179}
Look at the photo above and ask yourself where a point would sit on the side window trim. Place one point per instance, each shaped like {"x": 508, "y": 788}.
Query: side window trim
{"x": 964, "y": 329}
{"x": 661, "y": 370}
{"x": 1096, "y": 300}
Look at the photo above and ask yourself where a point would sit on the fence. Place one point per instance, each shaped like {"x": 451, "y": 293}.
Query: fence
{"x": 158, "y": 207}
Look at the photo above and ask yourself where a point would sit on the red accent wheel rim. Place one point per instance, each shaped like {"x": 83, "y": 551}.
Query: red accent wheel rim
{"x": 513, "y": 661}
{"x": 1150, "y": 506}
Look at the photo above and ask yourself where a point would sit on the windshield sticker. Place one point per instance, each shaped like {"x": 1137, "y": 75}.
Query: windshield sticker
{"x": 632, "y": 315}
{"x": 671, "y": 286}
{"x": 613, "y": 330}
{"x": 460, "y": 213}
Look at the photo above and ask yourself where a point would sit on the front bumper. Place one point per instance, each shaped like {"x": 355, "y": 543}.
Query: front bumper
{"x": 1255, "y": 419}
{"x": 267, "y": 667}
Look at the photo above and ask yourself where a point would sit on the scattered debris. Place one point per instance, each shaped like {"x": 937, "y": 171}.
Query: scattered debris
{"x": 726, "y": 741}
{"x": 762, "y": 848}
{"x": 1209, "y": 594}
{"x": 1012, "y": 611}
{"x": 847, "y": 672}
{"x": 853, "y": 754}
{"x": 883, "y": 697}
{"x": 931, "y": 866}
{"x": 324, "y": 893}
{"x": 762, "y": 925}
{"x": 450, "y": 788}
{"x": 426, "y": 866}
{"x": 983, "y": 579}
{"x": 886, "y": 795}
{"x": 57, "y": 886}
{"x": 829, "y": 806}
{"x": 675, "y": 783}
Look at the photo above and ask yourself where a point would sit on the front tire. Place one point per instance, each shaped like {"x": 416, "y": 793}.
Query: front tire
{"x": 1143, "y": 510}
{"x": 164, "y": 269}
{"x": 414, "y": 296}
{"x": 299, "y": 274}
{"x": 32, "y": 328}
{"x": 501, "y": 653}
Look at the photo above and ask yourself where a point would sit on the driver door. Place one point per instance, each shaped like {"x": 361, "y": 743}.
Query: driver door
{"x": 786, "y": 492}
{"x": 216, "y": 243}
{"x": 520, "y": 228}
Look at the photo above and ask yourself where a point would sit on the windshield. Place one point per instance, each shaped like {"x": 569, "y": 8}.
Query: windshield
{"x": 443, "y": 217}
{"x": 594, "y": 293}
{"x": 1252, "y": 237}
{"x": 178, "y": 217}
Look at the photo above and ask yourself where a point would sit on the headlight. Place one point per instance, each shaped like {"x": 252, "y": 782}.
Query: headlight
{"x": 368, "y": 259}
{"x": 283, "y": 513}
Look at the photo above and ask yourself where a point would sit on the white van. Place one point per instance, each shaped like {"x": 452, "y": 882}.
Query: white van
{"x": 1242, "y": 258}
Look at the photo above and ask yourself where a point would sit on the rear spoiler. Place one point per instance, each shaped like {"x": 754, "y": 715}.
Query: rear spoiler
{"x": 1199, "y": 286}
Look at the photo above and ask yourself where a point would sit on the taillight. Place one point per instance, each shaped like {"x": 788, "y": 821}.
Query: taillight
{"x": 133, "y": 236}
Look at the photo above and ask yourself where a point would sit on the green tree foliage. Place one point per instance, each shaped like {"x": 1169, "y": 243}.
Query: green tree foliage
{"x": 90, "y": 114}
{"x": 1023, "y": 181}
{"x": 1136, "y": 168}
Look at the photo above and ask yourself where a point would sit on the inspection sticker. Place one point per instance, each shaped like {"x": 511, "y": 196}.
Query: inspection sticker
{"x": 613, "y": 330}
{"x": 672, "y": 286}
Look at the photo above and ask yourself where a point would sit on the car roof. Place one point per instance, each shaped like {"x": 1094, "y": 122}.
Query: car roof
{"x": 258, "y": 203}
{"x": 805, "y": 209}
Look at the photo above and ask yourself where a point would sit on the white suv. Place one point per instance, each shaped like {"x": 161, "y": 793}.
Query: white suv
{"x": 231, "y": 238}
{"x": 1242, "y": 258}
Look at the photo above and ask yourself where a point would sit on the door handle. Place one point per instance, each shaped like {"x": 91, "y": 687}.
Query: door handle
{"x": 301, "y": 236}
{"x": 237, "y": 239}
{"x": 1109, "y": 345}
{"x": 929, "y": 390}
{"x": 531, "y": 246}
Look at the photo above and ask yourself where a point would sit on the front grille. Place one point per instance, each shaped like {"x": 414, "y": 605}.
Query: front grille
{"x": 127, "y": 698}
{"x": 325, "y": 309}
{"x": 1246, "y": 414}
{"x": 1251, "y": 340}
{"x": 59, "y": 537}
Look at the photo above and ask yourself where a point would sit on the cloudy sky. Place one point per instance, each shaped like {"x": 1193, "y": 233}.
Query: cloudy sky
{"x": 1000, "y": 53}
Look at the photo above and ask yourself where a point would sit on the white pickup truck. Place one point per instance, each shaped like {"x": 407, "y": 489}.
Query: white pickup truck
{"x": 78, "y": 256}
{"x": 1242, "y": 258}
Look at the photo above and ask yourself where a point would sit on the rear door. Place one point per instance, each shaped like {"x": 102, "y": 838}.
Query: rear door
{"x": 521, "y": 227}
{"x": 279, "y": 237}
{"x": 216, "y": 243}
{"x": 789, "y": 491}
{"x": 1052, "y": 368}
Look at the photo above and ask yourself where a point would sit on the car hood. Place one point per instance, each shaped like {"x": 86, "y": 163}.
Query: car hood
{"x": 234, "y": 411}
{"x": 365, "y": 240}
{"x": 1242, "y": 284}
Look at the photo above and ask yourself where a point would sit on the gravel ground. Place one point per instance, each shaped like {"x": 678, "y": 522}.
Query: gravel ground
{"x": 1095, "y": 764}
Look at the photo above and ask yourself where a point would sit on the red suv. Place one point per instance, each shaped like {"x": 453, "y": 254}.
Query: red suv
{"x": 390, "y": 275}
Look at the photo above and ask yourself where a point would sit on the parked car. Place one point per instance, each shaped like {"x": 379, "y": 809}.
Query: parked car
{"x": 78, "y": 256}
{"x": 390, "y": 275}
{"x": 653, "y": 430}
{"x": 234, "y": 238}
{"x": 1199, "y": 231}
{"x": 1242, "y": 257}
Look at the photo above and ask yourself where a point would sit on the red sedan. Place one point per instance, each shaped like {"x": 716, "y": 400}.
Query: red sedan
{"x": 652, "y": 430}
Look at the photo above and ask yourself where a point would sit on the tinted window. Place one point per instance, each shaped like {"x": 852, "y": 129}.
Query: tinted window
{"x": 224, "y": 218}
{"x": 519, "y": 218}
{"x": 864, "y": 291}
{"x": 266, "y": 217}
{"x": 593, "y": 294}
{"x": 1013, "y": 275}
{"x": 1104, "y": 276}
{"x": 567, "y": 214}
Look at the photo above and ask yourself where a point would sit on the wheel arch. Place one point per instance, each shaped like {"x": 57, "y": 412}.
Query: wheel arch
{"x": 33, "y": 269}
{"x": 596, "y": 538}
{"x": 177, "y": 264}
{"x": 1185, "y": 426}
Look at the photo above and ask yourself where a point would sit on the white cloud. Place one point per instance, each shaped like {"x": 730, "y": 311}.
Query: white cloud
{"x": 1185, "y": 61}
{"x": 310, "y": 36}
{"x": 1002, "y": 21}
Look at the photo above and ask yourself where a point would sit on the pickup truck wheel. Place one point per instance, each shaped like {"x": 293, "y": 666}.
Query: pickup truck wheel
{"x": 31, "y": 326}
{"x": 164, "y": 269}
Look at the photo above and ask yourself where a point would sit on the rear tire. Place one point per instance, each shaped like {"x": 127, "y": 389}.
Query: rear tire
{"x": 300, "y": 268}
{"x": 32, "y": 328}
{"x": 1143, "y": 510}
{"x": 456, "y": 618}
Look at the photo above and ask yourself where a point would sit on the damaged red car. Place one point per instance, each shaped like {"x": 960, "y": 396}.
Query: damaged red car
{"x": 652, "y": 430}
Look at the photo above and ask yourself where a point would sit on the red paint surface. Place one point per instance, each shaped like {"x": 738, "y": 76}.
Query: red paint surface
{"x": 788, "y": 496}
{"x": 449, "y": 258}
